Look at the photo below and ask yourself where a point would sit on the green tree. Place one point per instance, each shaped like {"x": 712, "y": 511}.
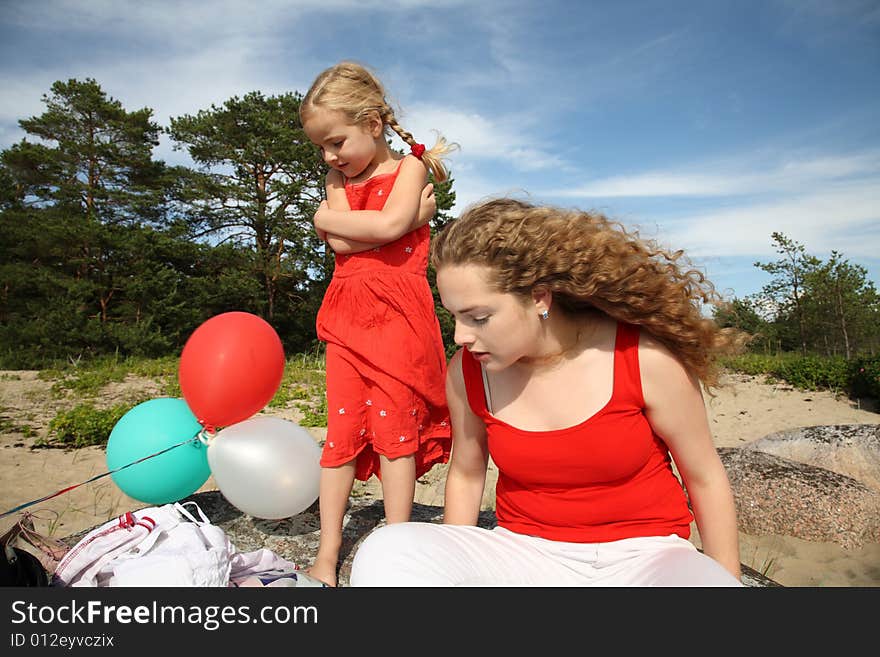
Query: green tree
{"x": 787, "y": 288}
{"x": 847, "y": 305}
{"x": 829, "y": 307}
{"x": 94, "y": 260}
{"x": 259, "y": 185}
{"x": 744, "y": 315}
{"x": 94, "y": 158}
{"x": 739, "y": 313}
{"x": 445, "y": 197}
{"x": 79, "y": 188}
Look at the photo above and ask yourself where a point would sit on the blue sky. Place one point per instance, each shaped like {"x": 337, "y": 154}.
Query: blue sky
{"x": 706, "y": 125}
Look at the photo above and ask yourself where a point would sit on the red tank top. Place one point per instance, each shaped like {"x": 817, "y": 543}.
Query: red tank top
{"x": 607, "y": 478}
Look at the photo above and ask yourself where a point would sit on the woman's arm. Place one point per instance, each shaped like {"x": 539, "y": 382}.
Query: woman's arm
{"x": 674, "y": 406}
{"x": 466, "y": 477}
{"x": 379, "y": 226}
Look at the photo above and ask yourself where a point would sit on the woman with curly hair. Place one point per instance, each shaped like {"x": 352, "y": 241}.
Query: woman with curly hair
{"x": 583, "y": 351}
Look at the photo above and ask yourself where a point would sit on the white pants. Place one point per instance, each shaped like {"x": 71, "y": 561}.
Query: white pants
{"x": 427, "y": 554}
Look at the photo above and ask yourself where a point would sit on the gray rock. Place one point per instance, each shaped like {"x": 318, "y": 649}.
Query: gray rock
{"x": 775, "y": 495}
{"x": 852, "y": 450}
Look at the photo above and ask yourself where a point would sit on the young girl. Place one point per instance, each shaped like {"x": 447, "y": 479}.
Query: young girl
{"x": 583, "y": 349}
{"x": 386, "y": 363}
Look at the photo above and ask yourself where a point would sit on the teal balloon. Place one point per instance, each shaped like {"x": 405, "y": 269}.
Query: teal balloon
{"x": 146, "y": 429}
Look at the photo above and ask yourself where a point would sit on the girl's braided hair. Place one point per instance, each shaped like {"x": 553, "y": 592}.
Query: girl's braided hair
{"x": 351, "y": 88}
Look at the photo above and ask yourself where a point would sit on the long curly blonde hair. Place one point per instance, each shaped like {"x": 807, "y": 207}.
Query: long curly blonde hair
{"x": 590, "y": 262}
{"x": 351, "y": 88}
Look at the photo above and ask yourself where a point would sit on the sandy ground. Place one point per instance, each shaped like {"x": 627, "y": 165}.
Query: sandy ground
{"x": 745, "y": 410}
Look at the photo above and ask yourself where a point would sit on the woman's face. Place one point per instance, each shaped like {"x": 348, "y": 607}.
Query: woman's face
{"x": 497, "y": 328}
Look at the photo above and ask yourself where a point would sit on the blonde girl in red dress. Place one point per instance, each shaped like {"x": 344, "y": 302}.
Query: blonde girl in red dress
{"x": 385, "y": 361}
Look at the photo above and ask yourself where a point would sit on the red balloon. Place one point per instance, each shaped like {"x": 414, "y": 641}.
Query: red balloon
{"x": 230, "y": 368}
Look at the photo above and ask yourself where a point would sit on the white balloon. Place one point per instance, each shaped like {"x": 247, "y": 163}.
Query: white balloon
{"x": 267, "y": 467}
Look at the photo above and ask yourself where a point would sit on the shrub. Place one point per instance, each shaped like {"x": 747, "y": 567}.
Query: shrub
{"x": 753, "y": 364}
{"x": 865, "y": 377}
{"x": 314, "y": 416}
{"x": 814, "y": 372}
{"x": 85, "y": 425}
{"x": 859, "y": 377}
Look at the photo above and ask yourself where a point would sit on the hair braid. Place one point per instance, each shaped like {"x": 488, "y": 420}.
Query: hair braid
{"x": 433, "y": 157}
{"x": 392, "y": 123}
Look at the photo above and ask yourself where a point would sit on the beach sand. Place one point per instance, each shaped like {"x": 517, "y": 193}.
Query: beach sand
{"x": 746, "y": 409}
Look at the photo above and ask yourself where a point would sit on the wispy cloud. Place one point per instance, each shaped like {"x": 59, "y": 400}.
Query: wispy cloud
{"x": 753, "y": 130}
{"x": 843, "y": 217}
{"x": 175, "y": 19}
{"x": 483, "y": 139}
{"x": 174, "y": 57}
{"x": 21, "y": 98}
{"x": 864, "y": 12}
{"x": 791, "y": 175}
{"x": 826, "y": 202}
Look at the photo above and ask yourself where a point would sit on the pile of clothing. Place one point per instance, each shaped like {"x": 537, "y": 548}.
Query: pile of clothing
{"x": 171, "y": 545}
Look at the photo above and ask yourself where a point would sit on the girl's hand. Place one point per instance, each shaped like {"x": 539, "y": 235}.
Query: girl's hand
{"x": 322, "y": 234}
{"x": 427, "y": 206}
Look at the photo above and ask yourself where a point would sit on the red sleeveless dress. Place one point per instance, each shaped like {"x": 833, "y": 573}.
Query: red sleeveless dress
{"x": 386, "y": 365}
{"x": 607, "y": 478}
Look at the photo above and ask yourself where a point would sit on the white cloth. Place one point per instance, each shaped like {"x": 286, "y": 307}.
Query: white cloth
{"x": 194, "y": 553}
{"x": 263, "y": 567}
{"x": 427, "y": 554}
{"x": 155, "y": 546}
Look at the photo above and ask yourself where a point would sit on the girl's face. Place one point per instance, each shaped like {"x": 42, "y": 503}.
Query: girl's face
{"x": 350, "y": 149}
{"x": 497, "y": 328}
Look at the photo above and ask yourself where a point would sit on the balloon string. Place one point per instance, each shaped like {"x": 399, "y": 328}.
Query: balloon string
{"x": 96, "y": 477}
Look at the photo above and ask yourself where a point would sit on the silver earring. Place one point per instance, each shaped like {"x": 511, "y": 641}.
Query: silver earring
{"x": 545, "y": 314}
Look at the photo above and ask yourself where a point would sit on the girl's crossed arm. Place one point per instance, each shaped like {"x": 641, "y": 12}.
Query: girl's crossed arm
{"x": 427, "y": 209}
{"x": 410, "y": 205}
{"x": 337, "y": 200}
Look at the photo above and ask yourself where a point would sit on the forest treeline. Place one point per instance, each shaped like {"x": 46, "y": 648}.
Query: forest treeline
{"x": 815, "y": 324}
{"x": 810, "y": 306}
{"x": 108, "y": 250}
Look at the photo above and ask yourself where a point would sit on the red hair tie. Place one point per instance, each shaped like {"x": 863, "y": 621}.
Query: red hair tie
{"x": 418, "y": 150}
